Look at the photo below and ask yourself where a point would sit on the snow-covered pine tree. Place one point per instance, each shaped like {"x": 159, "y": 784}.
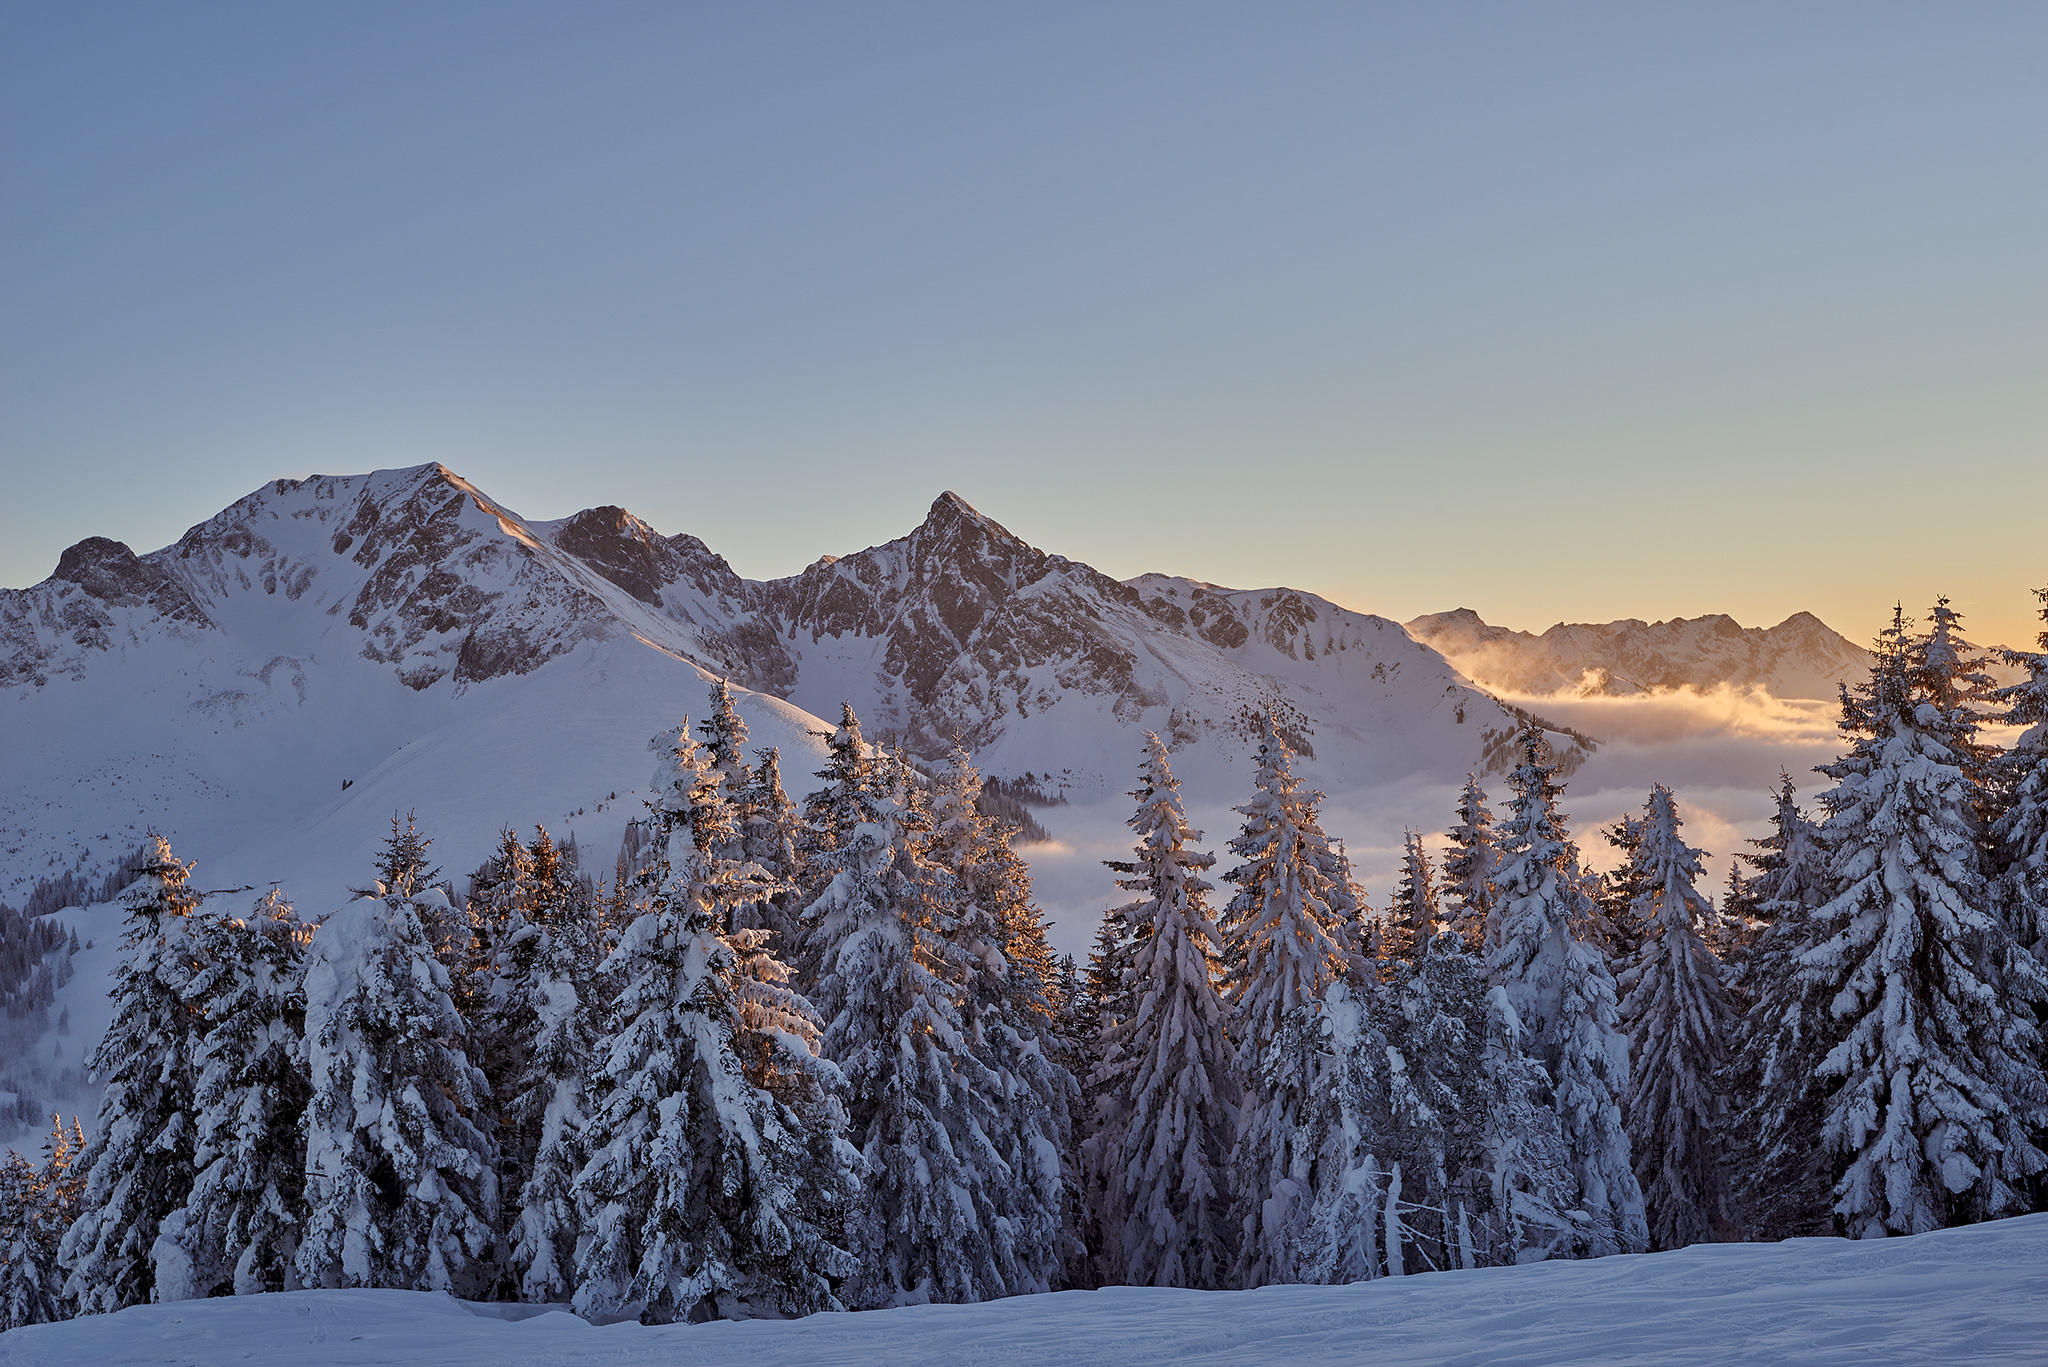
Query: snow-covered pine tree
{"x": 725, "y": 747}
{"x": 1781, "y": 1174}
{"x": 240, "y": 1226}
{"x": 1523, "y": 1179}
{"x": 706, "y": 1193}
{"x": 1558, "y": 984}
{"x": 1482, "y": 1162}
{"x": 771, "y": 835}
{"x": 1935, "y": 1091}
{"x": 1437, "y": 1028}
{"x": 890, "y": 986}
{"x": 1007, "y": 1013}
{"x": 400, "y": 1165}
{"x": 36, "y": 1206}
{"x": 1106, "y": 1001}
{"x": 1677, "y": 1012}
{"x": 842, "y": 803}
{"x": 1283, "y": 944}
{"x": 560, "y": 982}
{"x": 137, "y": 1168}
{"x": 501, "y": 897}
{"x": 1414, "y": 917}
{"x": 1166, "y": 1220}
{"x": 1468, "y": 866}
{"x": 1619, "y": 893}
{"x": 1732, "y": 932}
{"x": 1329, "y": 1067}
{"x": 2019, "y": 832}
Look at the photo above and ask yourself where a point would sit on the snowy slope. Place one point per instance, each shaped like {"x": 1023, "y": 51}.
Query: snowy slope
{"x": 1801, "y": 657}
{"x": 325, "y": 652}
{"x": 401, "y": 632}
{"x": 1976, "y": 1295}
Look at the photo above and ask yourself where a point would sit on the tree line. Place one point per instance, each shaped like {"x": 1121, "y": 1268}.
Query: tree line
{"x": 792, "y": 1059}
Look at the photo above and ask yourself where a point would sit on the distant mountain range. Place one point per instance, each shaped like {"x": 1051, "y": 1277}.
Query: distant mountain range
{"x": 1801, "y": 657}
{"x": 404, "y": 633}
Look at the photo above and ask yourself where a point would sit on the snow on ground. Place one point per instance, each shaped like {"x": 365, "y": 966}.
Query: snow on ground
{"x": 1975, "y": 1296}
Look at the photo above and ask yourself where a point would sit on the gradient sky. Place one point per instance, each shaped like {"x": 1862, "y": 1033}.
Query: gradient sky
{"x": 1555, "y": 311}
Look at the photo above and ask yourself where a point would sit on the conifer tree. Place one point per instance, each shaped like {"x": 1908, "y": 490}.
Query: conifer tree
{"x": 137, "y": 1168}
{"x": 1469, "y": 866}
{"x": 1523, "y": 1179}
{"x": 725, "y": 741}
{"x": 1414, "y": 917}
{"x": 771, "y": 835}
{"x": 240, "y": 1226}
{"x": 890, "y": 986}
{"x": 404, "y": 870}
{"x": 1166, "y": 1216}
{"x": 400, "y": 1166}
{"x": 1781, "y": 1173}
{"x": 1619, "y": 894}
{"x": 501, "y": 899}
{"x": 1559, "y": 987}
{"x": 36, "y": 1206}
{"x": 1935, "y": 1089}
{"x": 844, "y": 801}
{"x": 1105, "y": 1003}
{"x": 561, "y": 981}
{"x": 1008, "y": 1015}
{"x": 2019, "y": 831}
{"x": 1328, "y": 1067}
{"x": 1283, "y": 944}
{"x": 709, "y": 1194}
{"x": 1677, "y": 1012}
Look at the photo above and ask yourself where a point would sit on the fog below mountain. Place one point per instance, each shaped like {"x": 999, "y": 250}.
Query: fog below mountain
{"x": 1720, "y": 750}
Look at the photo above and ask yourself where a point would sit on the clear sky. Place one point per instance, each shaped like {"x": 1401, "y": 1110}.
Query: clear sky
{"x": 1556, "y": 311}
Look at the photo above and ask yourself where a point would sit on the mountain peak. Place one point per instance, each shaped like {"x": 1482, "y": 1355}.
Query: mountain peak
{"x": 951, "y": 510}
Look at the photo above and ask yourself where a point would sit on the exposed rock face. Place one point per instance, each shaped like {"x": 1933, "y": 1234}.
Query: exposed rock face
{"x": 959, "y": 629}
{"x": 1799, "y": 658}
{"x": 101, "y": 594}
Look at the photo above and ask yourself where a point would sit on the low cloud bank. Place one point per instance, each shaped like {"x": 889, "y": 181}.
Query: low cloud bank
{"x": 1719, "y": 751}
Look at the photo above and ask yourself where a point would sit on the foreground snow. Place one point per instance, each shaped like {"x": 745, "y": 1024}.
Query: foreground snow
{"x": 1975, "y": 1296}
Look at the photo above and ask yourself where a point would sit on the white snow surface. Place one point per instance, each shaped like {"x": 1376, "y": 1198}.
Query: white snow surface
{"x": 1977, "y": 1295}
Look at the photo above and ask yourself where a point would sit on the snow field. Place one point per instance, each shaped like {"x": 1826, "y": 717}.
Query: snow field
{"x": 1977, "y": 1295}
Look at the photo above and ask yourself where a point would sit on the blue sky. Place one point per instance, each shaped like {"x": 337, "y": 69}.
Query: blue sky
{"x": 1555, "y": 311}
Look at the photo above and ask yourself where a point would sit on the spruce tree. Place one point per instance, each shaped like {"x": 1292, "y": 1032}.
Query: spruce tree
{"x": 1677, "y": 1012}
{"x": 137, "y": 1168}
{"x": 1008, "y": 1015}
{"x": 1481, "y": 1160}
{"x": 241, "y": 1224}
{"x": 771, "y": 835}
{"x": 2019, "y": 832}
{"x": 561, "y": 981}
{"x": 725, "y": 741}
{"x": 1781, "y": 1173}
{"x": 1282, "y": 946}
{"x": 891, "y": 984}
{"x": 1166, "y": 1211}
{"x": 710, "y": 1195}
{"x": 1556, "y": 980}
{"x": 1935, "y": 1089}
{"x": 1469, "y": 866}
{"x": 1414, "y": 917}
{"x": 1103, "y": 1006}
{"x": 1329, "y": 1068}
{"x": 400, "y": 1165}
{"x": 37, "y": 1204}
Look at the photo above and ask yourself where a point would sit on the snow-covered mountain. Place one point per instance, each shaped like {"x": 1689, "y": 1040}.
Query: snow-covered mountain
{"x": 270, "y": 688}
{"x": 1801, "y": 657}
